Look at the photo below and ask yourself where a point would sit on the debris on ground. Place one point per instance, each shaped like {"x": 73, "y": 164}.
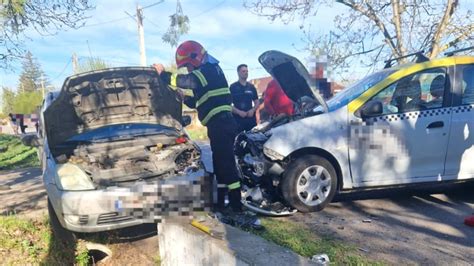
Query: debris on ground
{"x": 320, "y": 259}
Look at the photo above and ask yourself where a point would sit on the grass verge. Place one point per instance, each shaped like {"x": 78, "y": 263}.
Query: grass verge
{"x": 24, "y": 241}
{"x": 15, "y": 155}
{"x": 304, "y": 242}
{"x": 197, "y": 133}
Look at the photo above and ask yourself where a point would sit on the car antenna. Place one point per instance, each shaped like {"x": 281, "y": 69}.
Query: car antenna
{"x": 420, "y": 57}
{"x": 451, "y": 53}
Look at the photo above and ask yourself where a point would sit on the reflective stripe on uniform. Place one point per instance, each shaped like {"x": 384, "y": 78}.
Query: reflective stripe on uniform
{"x": 201, "y": 77}
{"x": 173, "y": 79}
{"x": 188, "y": 92}
{"x": 234, "y": 185}
{"x": 221, "y": 185}
{"x": 215, "y": 111}
{"x": 207, "y": 95}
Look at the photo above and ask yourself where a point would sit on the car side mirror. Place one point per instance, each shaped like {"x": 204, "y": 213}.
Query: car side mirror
{"x": 371, "y": 109}
{"x": 32, "y": 140}
{"x": 186, "y": 120}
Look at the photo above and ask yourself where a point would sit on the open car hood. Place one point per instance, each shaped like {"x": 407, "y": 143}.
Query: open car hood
{"x": 111, "y": 96}
{"x": 292, "y": 76}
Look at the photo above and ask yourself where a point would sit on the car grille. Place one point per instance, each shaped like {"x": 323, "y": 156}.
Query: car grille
{"x": 112, "y": 217}
{"x": 83, "y": 219}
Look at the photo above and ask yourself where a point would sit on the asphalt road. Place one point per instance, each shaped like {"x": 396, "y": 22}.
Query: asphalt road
{"x": 423, "y": 226}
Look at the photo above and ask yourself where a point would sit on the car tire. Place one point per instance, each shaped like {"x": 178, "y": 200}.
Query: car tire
{"x": 59, "y": 232}
{"x": 309, "y": 183}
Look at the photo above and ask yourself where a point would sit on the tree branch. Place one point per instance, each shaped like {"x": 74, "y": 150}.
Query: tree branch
{"x": 398, "y": 28}
{"x": 370, "y": 13}
{"x": 467, "y": 33}
{"x": 435, "y": 42}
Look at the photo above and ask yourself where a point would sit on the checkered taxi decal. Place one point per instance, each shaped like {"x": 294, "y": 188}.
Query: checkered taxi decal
{"x": 463, "y": 109}
{"x": 425, "y": 113}
{"x": 412, "y": 115}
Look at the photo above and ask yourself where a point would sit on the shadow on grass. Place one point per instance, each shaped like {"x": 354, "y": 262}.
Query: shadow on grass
{"x": 68, "y": 248}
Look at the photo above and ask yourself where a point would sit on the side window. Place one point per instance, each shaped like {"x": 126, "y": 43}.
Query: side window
{"x": 468, "y": 85}
{"x": 420, "y": 91}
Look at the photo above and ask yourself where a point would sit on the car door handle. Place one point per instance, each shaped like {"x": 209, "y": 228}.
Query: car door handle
{"x": 436, "y": 124}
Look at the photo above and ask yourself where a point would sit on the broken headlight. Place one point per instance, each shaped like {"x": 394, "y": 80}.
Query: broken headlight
{"x": 273, "y": 155}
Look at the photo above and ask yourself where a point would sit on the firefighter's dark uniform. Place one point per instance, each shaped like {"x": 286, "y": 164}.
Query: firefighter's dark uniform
{"x": 212, "y": 99}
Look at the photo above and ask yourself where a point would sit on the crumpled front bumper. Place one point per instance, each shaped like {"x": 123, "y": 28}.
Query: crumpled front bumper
{"x": 143, "y": 202}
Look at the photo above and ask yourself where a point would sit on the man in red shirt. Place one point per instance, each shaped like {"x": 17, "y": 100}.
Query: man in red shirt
{"x": 276, "y": 101}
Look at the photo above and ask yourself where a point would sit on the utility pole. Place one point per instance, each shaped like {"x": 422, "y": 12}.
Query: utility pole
{"x": 42, "y": 85}
{"x": 74, "y": 63}
{"x": 141, "y": 35}
{"x": 141, "y": 32}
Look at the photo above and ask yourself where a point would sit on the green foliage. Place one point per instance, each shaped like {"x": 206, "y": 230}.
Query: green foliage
{"x": 16, "y": 155}
{"x": 23, "y": 241}
{"x": 179, "y": 25}
{"x": 20, "y": 103}
{"x": 197, "y": 133}
{"x": 91, "y": 64}
{"x": 27, "y": 102}
{"x": 31, "y": 75}
{"x": 8, "y": 99}
{"x": 21, "y": 18}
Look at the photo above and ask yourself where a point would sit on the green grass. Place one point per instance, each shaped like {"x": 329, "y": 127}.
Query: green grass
{"x": 16, "y": 154}
{"x": 197, "y": 133}
{"x": 24, "y": 241}
{"x": 306, "y": 243}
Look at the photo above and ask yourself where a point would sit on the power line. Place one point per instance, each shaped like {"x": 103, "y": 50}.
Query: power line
{"x": 153, "y": 23}
{"x": 209, "y": 9}
{"x": 62, "y": 71}
{"x": 153, "y": 4}
{"x": 106, "y": 22}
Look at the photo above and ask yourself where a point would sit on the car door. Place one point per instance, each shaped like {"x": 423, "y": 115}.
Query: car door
{"x": 460, "y": 157}
{"x": 407, "y": 141}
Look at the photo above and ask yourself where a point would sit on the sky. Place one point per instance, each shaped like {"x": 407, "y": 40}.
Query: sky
{"x": 228, "y": 31}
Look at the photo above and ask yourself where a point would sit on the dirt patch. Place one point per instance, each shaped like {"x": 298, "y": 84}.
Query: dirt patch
{"x": 22, "y": 193}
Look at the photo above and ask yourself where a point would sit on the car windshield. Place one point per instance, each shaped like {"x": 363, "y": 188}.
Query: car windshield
{"x": 355, "y": 90}
{"x": 121, "y": 131}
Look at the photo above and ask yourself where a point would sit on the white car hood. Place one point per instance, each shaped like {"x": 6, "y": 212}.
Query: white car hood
{"x": 292, "y": 76}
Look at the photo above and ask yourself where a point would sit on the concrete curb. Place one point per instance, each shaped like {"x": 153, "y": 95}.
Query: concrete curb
{"x": 182, "y": 244}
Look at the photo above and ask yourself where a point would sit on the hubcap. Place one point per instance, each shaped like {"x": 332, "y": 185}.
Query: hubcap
{"x": 313, "y": 185}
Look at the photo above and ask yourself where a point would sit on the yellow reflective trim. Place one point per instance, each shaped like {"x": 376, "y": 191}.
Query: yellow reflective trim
{"x": 207, "y": 95}
{"x": 201, "y": 77}
{"x": 215, "y": 111}
{"x": 173, "y": 79}
{"x": 355, "y": 104}
{"x": 188, "y": 92}
{"x": 234, "y": 185}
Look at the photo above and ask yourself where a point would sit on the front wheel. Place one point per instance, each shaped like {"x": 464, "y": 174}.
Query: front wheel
{"x": 59, "y": 232}
{"x": 309, "y": 183}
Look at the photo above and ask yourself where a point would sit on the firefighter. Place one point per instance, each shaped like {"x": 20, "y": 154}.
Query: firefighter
{"x": 212, "y": 99}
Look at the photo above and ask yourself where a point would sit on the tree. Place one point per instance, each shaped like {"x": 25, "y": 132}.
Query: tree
{"x": 27, "y": 102}
{"x": 44, "y": 16}
{"x": 32, "y": 75}
{"x": 8, "y": 100}
{"x": 179, "y": 25}
{"x": 370, "y": 31}
{"x": 91, "y": 64}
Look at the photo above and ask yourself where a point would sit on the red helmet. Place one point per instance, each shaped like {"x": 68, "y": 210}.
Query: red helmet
{"x": 190, "y": 52}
